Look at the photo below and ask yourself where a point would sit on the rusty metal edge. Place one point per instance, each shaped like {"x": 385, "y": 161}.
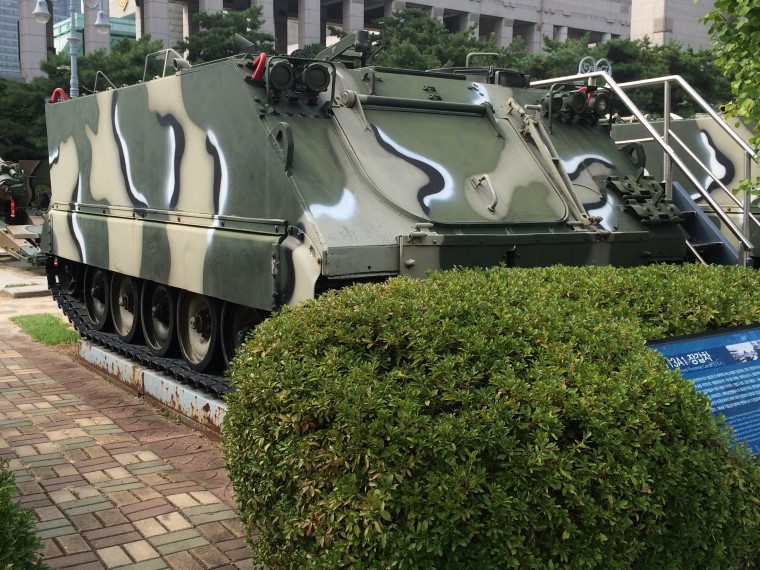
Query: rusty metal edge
{"x": 193, "y": 407}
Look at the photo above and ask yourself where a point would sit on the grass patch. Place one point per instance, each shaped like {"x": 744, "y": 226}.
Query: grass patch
{"x": 46, "y": 328}
{"x": 11, "y": 285}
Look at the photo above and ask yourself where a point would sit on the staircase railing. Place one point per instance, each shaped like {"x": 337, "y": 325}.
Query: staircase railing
{"x": 671, "y": 157}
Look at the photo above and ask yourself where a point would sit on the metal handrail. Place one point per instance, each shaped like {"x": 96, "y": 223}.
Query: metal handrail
{"x": 661, "y": 140}
{"x": 697, "y": 99}
{"x": 710, "y": 173}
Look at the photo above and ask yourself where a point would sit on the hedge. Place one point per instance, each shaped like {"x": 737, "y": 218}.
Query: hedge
{"x": 18, "y": 541}
{"x": 502, "y": 418}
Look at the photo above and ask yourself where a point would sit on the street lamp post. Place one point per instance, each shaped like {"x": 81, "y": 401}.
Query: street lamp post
{"x": 102, "y": 25}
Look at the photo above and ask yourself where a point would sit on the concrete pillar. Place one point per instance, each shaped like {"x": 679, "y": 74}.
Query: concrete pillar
{"x": 504, "y": 32}
{"x": 606, "y": 37}
{"x": 179, "y": 22}
{"x": 536, "y": 43}
{"x": 281, "y": 31}
{"x": 94, "y": 40}
{"x": 210, "y": 6}
{"x": 436, "y": 12}
{"x": 153, "y": 15}
{"x": 470, "y": 20}
{"x": 562, "y": 33}
{"x": 393, "y": 6}
{"x": 267, "y": 13}
{"x": 32, "y": 40}
{"x": 308, "y": 22}
{"x": 353, "y": 15}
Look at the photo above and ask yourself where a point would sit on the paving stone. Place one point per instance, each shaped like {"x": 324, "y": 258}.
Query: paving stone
{"x": 117, "y": 473}
{"x": 56, "y": 483}
{"x": 77, "y": 560}
{"x": 120, "y": 485}
{"x": 184, "y": 560}
{"x": 85, "y": 491}
{"x": 155, "y": 479}
{"x": 96, "y": 452}
{"x": 209, "y": 513}
{"x": 204, "y": 497}
{"x": 89, "y": 505}
{"x": 96, "y": 464}
{"x": 176, "y": 536}
{"x": 146, "y": 494}
{"x": 150, "y": 527}
{"x": 240, "y": 554}
{"x": 173, "y": 521}
{"x": 95, "y": 565}
{"x": 114, "y": 556}
{"x": 152, "y": 511}
{"x": 50, "y": 549}
{"x": 34, "y": 501}
{"x": 26, "y": 451}
{"x": 64, "y": 470}
{"x": 170, "y": 488}
{"x": 72, "y": 544}
{"x": 122, "y": 498}
{"x": 56, "y": 531}
{"x": 95, "y": 477}
{"x": 111, "y": 517}
{"x": 126, "y": 458}
{"x": 74, "y": 455}
{"x": 228, "y": 546}
{"x": 183, "y": 500}
{"x": 188, "y": 544}
{"x": 112, "y": 530}
{"x": 209, "y": 556}
{"x": 154, "y": 564}
{"x": 86, "y": 522}
{"x": 77, "y": 443}
{"x": 116, "y": 540}
{"x": 140, "y": 550}
{"x": 66, "y": 434}
{"x": 215, "y": 532}
{"x": 62, "y": 496}
{"x": 149, "y": 467}
{"x": 48, "y": 513}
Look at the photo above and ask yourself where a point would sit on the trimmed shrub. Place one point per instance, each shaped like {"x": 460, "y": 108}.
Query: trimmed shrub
{"x": 502, "y": 418}
{"x": 18, "y": 541}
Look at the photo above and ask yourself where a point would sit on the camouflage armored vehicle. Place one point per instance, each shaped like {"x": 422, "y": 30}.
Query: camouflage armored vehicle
{"x": 19, "y": 213}
{"x": 11, "y": 189}
{"x": 185, "y": 209}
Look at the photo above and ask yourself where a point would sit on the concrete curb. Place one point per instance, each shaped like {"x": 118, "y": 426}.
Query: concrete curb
{"x": 25, "y": 291}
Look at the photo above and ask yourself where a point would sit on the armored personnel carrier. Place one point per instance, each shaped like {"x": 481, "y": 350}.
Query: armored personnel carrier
{"x": 186, "y": 208}
{"x": 20, "y": 217}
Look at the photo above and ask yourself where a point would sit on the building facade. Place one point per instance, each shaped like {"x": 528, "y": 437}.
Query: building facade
{"x": 671, "y": 20}
{"x": 24, "y": 42}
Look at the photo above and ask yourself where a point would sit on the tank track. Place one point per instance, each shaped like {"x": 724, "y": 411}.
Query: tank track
{"x": 76, "y": 312}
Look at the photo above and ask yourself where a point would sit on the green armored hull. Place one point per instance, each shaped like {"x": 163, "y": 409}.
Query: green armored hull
{"x": 186, "y": 208}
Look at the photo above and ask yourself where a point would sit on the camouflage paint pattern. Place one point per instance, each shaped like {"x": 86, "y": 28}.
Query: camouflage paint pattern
{"x": 214, "y": 185}
{"x": 708, "y": 142}
{"x": 715, "y": 150}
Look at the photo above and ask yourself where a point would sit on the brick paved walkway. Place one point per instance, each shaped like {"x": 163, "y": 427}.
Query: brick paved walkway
{"x": 113, "y": 483}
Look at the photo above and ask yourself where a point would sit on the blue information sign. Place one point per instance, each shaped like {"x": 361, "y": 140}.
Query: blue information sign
{"x": 725, "y": 365}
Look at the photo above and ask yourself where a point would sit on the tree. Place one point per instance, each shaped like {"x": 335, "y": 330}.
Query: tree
{"x": 215, "y": 38}
{"x": 414, "y": 40}
{"x": 124, "y": 65}
{"x": 22, "y": 106}
{"x": 22, "y": 120}
{"x": 734, "y": 27}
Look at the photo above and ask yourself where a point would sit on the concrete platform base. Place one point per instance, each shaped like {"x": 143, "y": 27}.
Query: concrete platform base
{"x": 192, "y": 406}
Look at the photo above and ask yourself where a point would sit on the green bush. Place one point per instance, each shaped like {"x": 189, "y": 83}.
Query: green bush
{"x": 502, "y": 418}
{"x": 18, "y": 541}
